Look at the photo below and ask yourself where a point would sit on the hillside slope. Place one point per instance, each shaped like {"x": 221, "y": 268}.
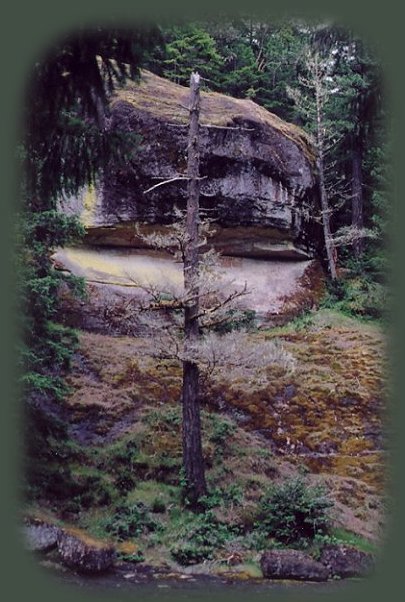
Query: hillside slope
{"x": 323, "y": 423}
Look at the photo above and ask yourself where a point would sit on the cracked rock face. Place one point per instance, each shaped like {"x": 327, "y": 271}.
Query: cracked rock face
{"x": 257, "y": 174}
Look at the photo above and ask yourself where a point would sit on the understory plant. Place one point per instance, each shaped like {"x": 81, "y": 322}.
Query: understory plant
{"x": 294, "y": 512}
{"x": 129, "y": 520}
{"x": 203, "y": 537}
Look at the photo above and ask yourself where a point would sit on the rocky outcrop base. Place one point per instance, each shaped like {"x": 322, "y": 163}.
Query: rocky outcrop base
{"x": 346, "y": 561}
{"x": 292, "y": 564}
{"x": 83, "y": 554}
{"x": 40, "y": 537}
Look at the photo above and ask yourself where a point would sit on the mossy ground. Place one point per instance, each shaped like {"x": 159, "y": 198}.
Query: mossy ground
{"x": 164, "y": 99}
{"x": 324, "y": 421}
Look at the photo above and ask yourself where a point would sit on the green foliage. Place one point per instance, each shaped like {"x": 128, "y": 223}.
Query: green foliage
{"x": 48, "y": 457}
{"x": 168, "y": 417}
{"x": 205, "y": 534}
{"x": 135, "y": 557}
{"x": 342, "y": 536}
{"x": 66, "y": 139}
{"x": 358, "y": 294}
{"x": 45, "y": 346}
{"x": 57, "y": 469}
{"x": 229, "y": 497}
{"x": 65, "y": 145}
{"x": 304, "y": 321}
{"x": 158, "y": 506}
{"x": 294, "y": 513}
{"x": 189, "y": 553}
{"x": 238, "y": 320}
{"x": 218, "y": 429}
{"x": 130, "y": 520}
{"x": 89, "y": 489}
{"x": 191, "y": 48}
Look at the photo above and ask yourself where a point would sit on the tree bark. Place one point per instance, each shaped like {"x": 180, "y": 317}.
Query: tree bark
{"x": 357, "y": 195}
{"x": 320, "y": 127}
{"x": 330, "y": 247}
{"x": 193, "y": 461}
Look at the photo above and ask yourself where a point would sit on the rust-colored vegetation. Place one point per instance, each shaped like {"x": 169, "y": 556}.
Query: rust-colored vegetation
{"x": 325, "y": 419}
{"x": 166, "y": 100}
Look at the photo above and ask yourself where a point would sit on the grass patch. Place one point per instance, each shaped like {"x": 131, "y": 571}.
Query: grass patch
{"x": 353, "y": 539}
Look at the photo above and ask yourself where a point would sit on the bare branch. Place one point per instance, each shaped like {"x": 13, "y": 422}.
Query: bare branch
{"x": 169, "y": 182}
{"x": 224, "y": 302}
{"x": 213, "y": 126}
{"x": 227, "y": 127}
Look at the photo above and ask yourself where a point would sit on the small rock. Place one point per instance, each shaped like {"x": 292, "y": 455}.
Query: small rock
{"x": 348, "y": 401}
{"x": 292, "y": 564}
{"x": 41, "y": 537}
{"x": 289, "y": 392}
{"x": 346, "y": 561}
{"x": 327, "y": 447}
{"x": 84, "y": 554}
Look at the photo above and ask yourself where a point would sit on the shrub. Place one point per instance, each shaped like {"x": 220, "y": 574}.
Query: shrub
{"x": 204, "y": 536}
{"x": 130, "y": 520}
{"x": 94, "y": 489}
{"x": 158, "y": 506}
{"x": 120, "y": 461}
{"x": 190, "y": 553}
{"x": 358, "y": 295}
{"x": 221, "y": 429}
{"x": 232, "y": 495}
{"x": 294, "y": 512}
{"x": 238, "y": 320}
{"x": 133, "y": 557}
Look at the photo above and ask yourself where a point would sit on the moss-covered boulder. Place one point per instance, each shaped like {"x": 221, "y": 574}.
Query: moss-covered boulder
{"x": 84, "y": 554}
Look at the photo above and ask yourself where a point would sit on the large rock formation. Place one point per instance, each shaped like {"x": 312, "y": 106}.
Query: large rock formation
{"x": 258, "y": 173}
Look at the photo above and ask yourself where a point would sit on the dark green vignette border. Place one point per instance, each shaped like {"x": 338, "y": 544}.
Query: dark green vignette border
{"x": 26, "y": 29}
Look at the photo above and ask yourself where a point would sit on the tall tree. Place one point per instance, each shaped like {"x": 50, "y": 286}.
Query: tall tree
{"x": 312, "y": 99}
{"x": 204, "y": 304}
{"x": 191, "y": 47}
{"x": 66, "y": 142}
{"x": 360, "y": 108}
{"x": 192, "y": 449}
{"x": 364, "y": 110}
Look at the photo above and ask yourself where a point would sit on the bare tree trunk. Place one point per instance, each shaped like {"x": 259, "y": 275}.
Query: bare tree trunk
{"x": 319, "y": 99}
{"x": 330, "y": 247}
{"x": 357, "y": 196}
{"x": 193, "y": 460}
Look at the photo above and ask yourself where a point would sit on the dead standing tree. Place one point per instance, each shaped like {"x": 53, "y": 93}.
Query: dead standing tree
{"x": 204, "y": 306}
{"x": 312, "y": 105}
{"x": 193, "y": 460}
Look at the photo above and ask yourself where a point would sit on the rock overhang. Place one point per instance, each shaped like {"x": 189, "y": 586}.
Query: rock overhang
{"x": 258, "y": 174}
